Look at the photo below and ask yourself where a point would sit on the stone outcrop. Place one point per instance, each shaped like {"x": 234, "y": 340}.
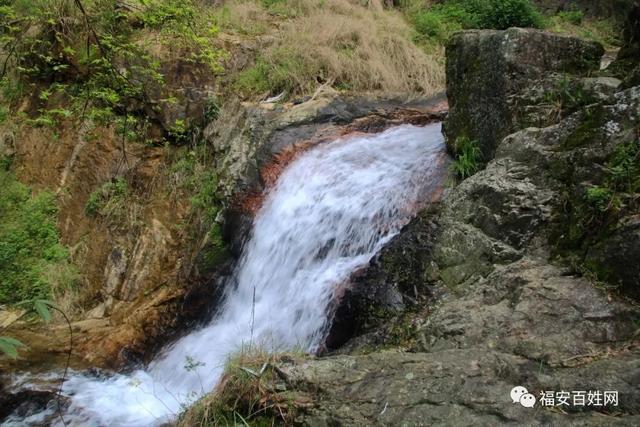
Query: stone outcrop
{"x": 627, "y": 64}
{"x": 486, "y": 70}
{"x": 500, "y": 305}
{"x": 453, "y": 387}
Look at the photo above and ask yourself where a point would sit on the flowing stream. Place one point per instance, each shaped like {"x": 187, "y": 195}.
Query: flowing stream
{"x": 330, "y": 212}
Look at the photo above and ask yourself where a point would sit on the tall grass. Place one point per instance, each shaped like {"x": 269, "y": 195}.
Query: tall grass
{"x": 350, "y": 44}
{"x": 252, "y": 391}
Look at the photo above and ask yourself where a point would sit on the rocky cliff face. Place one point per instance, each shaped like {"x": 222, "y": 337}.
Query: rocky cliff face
{"x": 513, "y": 294}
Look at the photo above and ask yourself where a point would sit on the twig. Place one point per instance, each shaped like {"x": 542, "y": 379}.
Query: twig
{"x": 66, "y": 367}
{"x": 253, "y": 315}
{"x": 123, "y": 142}
{"x": 90, "y": 27}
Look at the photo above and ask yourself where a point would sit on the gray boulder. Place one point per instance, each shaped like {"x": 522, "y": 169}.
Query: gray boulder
{"x": 486, "y": 68}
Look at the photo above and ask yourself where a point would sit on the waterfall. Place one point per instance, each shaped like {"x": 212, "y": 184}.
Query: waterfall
{"x": 329, "y": 213}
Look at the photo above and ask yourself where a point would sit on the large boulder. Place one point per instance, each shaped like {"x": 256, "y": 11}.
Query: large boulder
{"x": 486, "y": 69}
{"x": 627, "y": 64}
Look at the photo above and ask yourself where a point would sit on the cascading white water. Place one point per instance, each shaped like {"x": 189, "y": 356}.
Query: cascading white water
{"x": 329, "y": 213}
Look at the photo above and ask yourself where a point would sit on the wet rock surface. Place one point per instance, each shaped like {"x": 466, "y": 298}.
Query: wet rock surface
{"x": 254, "y": 143}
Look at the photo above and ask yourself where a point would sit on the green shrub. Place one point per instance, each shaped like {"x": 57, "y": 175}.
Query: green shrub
{"x": 108, "y": 200}
{"x": 600, "y": 198}
{"x": 502, "y": 14}
{"x": 159, "y": 13}
{"x": 29, "y": 243}
{"x": 96, "y": 66}
{"x": 440, "y": 21}
{"x": 467, "y": 159}
{"x": 574, "y": 17}
{"x": 5, "y": 163}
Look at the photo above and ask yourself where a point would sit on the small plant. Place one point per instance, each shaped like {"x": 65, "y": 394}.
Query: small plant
{"x": 573, "y": 17}
{"x": 108, "y": 200}
{"x": 211, "y": 110}
{"x": 5, "y": 163}
{"x": 600, "y": 198}
{"x": 624, "y": 168}
{"x": 192, "y": 174}
{"x": 468, "y": 157}
{"x": 597, "y": 212}
{"x": 567, "y": 97}
{"x": 180, "y": 132}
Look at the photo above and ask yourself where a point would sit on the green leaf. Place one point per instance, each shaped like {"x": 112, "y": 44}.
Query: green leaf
{"x": 41, "y": 307}
{"x": 9, "y": 346}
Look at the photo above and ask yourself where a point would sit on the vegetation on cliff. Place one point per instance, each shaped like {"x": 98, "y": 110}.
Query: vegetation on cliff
{"x": 33, "y": 263}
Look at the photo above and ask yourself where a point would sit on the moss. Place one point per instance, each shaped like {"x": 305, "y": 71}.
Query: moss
{"x": 213, "y": 254}
{"x": 599, "y": 272}
{"x": 5, "y": 163}
{"x": 589, "y": 130}
{"x": 592, "y": 214}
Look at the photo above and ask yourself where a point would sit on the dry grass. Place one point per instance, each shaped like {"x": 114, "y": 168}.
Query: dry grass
{"x": 353, "y": 45}
{"x": 243, "y": 17}
{"x": 252, "y": 391}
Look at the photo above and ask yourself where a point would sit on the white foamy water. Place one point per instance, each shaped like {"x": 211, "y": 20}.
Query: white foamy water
{"x": 329, "y": 213}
